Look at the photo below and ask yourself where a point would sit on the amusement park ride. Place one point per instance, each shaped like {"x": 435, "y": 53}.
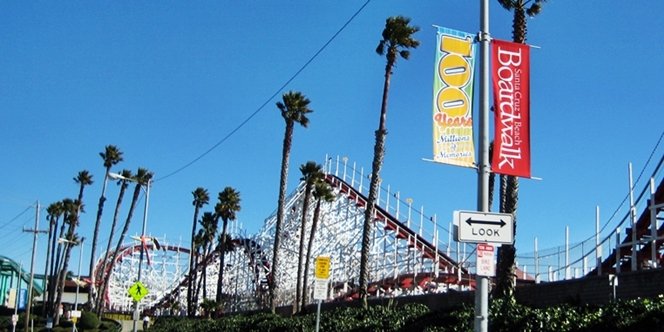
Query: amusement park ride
{"x": 411, "y": 253}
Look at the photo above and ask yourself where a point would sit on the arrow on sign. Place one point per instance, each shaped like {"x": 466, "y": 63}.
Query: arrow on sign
{"x": 500, "y": 223}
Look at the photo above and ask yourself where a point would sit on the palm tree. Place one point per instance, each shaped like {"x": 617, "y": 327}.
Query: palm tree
{"x": 111, "y": 156}
{"x": 294, "y": 109}
{"x": 311, "y": 173}
{"x": 54, "y": 211}
{"x": 72, "y": 209}
{"x": 142, "y": 178}
{"x": 199, "y": 242}
{"x": 226, "y": 208}
{"x": 505, "y": 271}
{"x": 397, "y": 39}
{"x": 201, "y": 198}
{"x": 124, "y": 183}
{"x": 209, "y": 226}
{"x": 84, "y": 178}
{"x": 322, "y": 193}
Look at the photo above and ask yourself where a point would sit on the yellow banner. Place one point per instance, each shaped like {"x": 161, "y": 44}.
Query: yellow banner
{"x": 453, "y": 97}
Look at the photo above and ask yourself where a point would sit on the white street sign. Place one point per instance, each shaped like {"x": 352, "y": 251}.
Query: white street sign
{"x": 486, "y": 265}
{"x": 481, "y": 227}
{"x": 320, "y": 289}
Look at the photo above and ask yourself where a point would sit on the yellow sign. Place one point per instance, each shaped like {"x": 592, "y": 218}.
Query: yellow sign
{"x": 137, "y": 291}
{"x": 322, "y": 267}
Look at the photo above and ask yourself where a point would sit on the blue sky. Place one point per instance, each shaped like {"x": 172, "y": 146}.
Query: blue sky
{"x": 166, "y": 81}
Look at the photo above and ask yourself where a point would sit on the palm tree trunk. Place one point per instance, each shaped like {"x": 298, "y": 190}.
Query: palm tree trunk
{"x": 52, "y": 270}
{"x": 300, "y": 257}
{"x": 62, "y": 276}
{"x": 132, "y": 206}
{"x": 222, "y": 258}
{"x": 379, "y": 153}
{"x": 47, "y": 280}
{"x": 273, "y": 284}
{"x": 192, "y": 273}
{"x": 310, "y": 245}
{"x": 100, "y": 298}
{"x": 507, "y": 253}
{"x": 58, "y": 260}
{"x": 93, "y": 252}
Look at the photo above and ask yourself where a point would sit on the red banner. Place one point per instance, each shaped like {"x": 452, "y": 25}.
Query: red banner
{"x": 511, "y": 105}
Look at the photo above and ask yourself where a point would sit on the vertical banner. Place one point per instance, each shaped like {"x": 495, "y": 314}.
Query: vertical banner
{"x": 510, "y": 63}
{"x": 453, "y": 96}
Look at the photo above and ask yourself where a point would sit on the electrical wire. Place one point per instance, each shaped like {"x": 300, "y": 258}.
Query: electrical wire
{"x": 267, "y": 101}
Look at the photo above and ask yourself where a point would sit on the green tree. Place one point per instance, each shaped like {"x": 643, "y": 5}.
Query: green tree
{"x": 311, "y": 173}
{"x": 123, "y": 183}
{"x": 506, "y": 269}
{"x": 227, "y": 207}
{"x": 396, "y": 42}
{"x": 111, "y": 156}
{"x": 294, "y": 108}
{"x": 201, "y": 198}
{"x": 322, "y": 193}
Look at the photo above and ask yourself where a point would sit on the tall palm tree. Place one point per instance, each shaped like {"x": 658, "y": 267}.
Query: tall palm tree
{"x": 142, "y": 178}
{"x": 72, "y": 209}
{"x": 201, "y": 198}
{"x": 396, "y": 42}
{"x": 111, "y": 156}
{"x": 54, "y": 211}
{"x": 311, "y": 173}
{"x": 199, "y": 242}
{"x": 294, "y": 108}
{"x": 124, "y": 184}
{"x": 322, "y": 193}
{"x": 505, "y": 270}
{"x": 65, "y": 207}
{"x": 226, "y": 209}
{"x": 83, "y": 178}
{"x": 209, "y": 226}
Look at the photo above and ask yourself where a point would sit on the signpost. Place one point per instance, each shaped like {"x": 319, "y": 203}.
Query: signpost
{"x": 322, "y": 274}
{"x": 484, "y": 227}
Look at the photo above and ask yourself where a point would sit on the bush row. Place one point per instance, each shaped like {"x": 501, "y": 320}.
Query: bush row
{"x": 504, "y": 315}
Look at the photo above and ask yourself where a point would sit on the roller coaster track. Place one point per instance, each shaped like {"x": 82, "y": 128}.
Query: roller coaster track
{"x": 401, "y": 231}
{"x": 643, "y": 235}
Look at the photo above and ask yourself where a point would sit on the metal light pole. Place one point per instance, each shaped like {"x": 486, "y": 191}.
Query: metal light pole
{"x": 482, "y": 283}
{"x": 145, "y": 223}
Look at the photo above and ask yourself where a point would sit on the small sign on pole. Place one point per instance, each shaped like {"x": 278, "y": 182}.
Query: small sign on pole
{"x": 485, "y": 260}
{"x": 320, "y": 289}
{"x": 322, "y": 267}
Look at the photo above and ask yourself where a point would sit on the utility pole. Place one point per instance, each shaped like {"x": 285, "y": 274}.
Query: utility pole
{"x": 35, "y": 231}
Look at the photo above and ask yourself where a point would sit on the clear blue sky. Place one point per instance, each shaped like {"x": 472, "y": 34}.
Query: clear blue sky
{"x": 167, "y": 80}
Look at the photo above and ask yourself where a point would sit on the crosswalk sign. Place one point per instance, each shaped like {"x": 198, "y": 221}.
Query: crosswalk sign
{"x": 137, "y": 291}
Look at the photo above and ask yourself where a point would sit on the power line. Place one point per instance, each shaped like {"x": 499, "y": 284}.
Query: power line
{"x": 262, "y": 106}
{"x": 15, "y": 218}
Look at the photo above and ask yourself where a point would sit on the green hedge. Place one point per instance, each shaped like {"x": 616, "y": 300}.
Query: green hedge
{"x": 504, "y": 315}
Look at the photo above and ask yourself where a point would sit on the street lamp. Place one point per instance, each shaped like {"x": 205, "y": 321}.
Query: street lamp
{"x": 75, "y": 314}
{"x": 116, "y": 176}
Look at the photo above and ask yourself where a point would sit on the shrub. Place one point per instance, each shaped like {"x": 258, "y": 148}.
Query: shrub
{"x": 88, "y": 321}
